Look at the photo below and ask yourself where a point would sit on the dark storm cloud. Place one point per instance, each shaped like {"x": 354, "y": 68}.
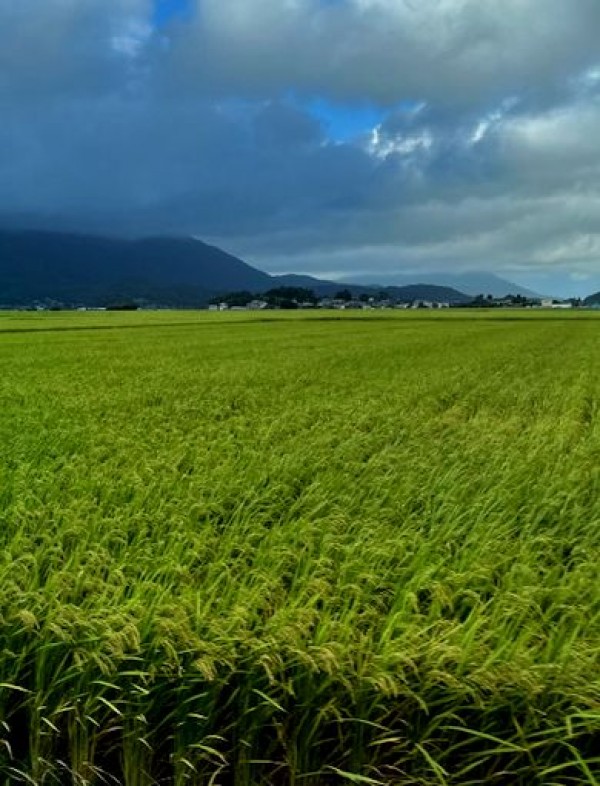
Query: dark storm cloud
{"x": 115, "y": 118}
{"x": 62, "y": 48}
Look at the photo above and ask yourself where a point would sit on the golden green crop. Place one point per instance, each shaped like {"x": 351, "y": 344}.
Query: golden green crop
{"x": 300, "y": 549}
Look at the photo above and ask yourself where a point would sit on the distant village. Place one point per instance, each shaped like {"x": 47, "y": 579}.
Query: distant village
{"x": 288, "y": 298}
{"x": 297, "y": 298}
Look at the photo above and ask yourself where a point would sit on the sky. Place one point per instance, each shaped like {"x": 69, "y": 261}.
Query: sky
{"x": 338, "y": 138}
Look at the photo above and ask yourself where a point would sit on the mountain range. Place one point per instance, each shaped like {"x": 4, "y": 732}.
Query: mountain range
{"x": 42, "y": 266}
{"x": 471, "y": 282}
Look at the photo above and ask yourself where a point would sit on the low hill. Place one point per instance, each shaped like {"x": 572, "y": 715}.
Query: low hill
{"x": 592, "y": 300}
{"x": 318, "y": 285}
{"x": 430, "y": 292}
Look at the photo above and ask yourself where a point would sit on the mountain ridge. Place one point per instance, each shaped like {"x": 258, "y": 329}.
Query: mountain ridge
{"x": 41, "y": 265}
{"x": 93, "y": 270}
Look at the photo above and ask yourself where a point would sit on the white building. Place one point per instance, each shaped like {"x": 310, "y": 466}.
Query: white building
{"x": 547, "y": 302}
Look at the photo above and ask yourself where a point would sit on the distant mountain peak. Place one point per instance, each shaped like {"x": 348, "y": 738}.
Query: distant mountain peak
{"x": 470, "y": 282}
{"x": 74, "y": 268}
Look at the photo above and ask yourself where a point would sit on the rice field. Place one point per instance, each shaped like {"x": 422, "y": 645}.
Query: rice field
{"x": 300, "y": 549}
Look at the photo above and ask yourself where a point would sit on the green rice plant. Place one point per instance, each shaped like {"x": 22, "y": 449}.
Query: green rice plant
{"x": 305, "y": 549}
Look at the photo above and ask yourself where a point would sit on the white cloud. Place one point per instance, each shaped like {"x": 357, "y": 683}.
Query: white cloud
{"x": 131, "y": 37}
{"x": 449, "y": 51}
{"x": 383, "y": 146}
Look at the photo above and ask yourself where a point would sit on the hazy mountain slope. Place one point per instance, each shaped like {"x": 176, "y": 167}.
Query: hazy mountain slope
{"x": 472, "y": 283}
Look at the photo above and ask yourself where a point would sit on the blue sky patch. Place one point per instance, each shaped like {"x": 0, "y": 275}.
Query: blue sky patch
{"x": 165, "y": 10}
{"x": 341, "y": 122}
